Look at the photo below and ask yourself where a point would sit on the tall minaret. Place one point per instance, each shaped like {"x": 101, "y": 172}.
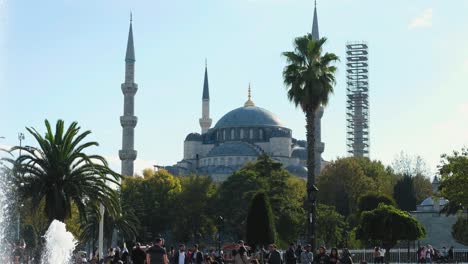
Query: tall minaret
{"x": 205, "y": 120}
{"x": 319, "y": 145}
{"x": 128, "y": 121}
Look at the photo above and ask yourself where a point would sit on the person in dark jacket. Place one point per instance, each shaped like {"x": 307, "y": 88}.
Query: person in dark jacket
{"x": 197, "y": 256}
{"x": 180, "y": 257}
{"x": 275, "y": 256}
{"x": 157, "y": 254}
{"x": 322, "y": 257}
{"x": 291, "y": 255}
{"x": 138, "y": 255}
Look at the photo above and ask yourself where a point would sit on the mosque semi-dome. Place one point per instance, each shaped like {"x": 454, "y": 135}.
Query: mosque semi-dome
{"x": 249, "y": 116}
{"x": 300, "y": 153}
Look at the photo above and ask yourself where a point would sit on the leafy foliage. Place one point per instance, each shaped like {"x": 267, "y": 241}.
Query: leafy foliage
{"x": 331, "y": 226}
{"x": 389, "y": 225}
{"x": 371, "y": 201}
{"x": 454, "y": 180}
{"x": 404, "y": 194}
{"x": 460, "y": 230}
{"x": 260, "y": 226}
{"x": 285, "y": 192}
{"x": 152, "y": 198}
{"x": 344, "y": 180}
{"x": 59, "y": 172}
{"x": 194, "y": 212}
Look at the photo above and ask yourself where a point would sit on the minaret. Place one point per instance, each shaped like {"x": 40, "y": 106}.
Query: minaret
{"x": 205, "y": 120}
{"x": 319, "y": 145}
{"x": 128, "y": 121}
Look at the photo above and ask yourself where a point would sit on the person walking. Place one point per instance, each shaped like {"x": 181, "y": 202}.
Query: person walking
{"x": 138, "y": 254}
{"x": 275, "y": 256}
{"x": 197, "y": 256}
{"x": 180, "y": 257}
{"x": 241, "y": 256}
{"x": 322, "y": 257}
{"x": 346, "y": 257}
{"x": 334, "y": 257}
{"x": 157, "y": 254}
{"x": 306, "y": 256}
{"x": 298, "y": 253}
{"x": 290, "y": 255}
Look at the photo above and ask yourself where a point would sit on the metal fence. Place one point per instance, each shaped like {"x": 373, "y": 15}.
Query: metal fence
{"x": 400, "y": 255}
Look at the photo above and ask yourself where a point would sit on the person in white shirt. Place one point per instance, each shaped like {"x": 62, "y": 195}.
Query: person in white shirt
{"x": 180, "y": 256}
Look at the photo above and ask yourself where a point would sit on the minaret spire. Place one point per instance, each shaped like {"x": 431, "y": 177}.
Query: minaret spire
{"x": 128, "y": 121}
{"x": 249, "y": 98}
{"x": 205, "y": 120}
{"x": 315, "y": 28}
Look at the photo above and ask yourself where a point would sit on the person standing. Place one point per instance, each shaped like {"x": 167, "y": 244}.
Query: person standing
{"x": 306, "y": 256}
{"x": 291, "y": 255}
{"x": 322, "y": 257}
{"x": 197, "y": 256}
{"x": 138, "y": 255}
{"x": 180, "y": 257}
{"x": 334, "y": 257}
{"x": 157, "y": 254}
{"x": 450, "y": 254}
{"x": 346, "y": 257}
{"x": 299, "y": 253}
{"x": 275, "y": 256}
{"x": 241, "y": 256}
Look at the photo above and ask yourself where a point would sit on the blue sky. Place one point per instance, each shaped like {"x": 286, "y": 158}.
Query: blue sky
{"x": 65, "y": 59}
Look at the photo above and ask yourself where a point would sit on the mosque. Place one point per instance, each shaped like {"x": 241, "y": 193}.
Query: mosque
{"x": 240, "y": 136}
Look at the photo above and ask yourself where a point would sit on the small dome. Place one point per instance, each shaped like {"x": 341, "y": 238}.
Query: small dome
{"x": 297, "y": 170}
{"x": 234, "y": 149}
{"x": 249, "y": 116}
{"x": 193, "y": 137}
{"x": 300, "y": 153}
{"x": 430, "y": 202}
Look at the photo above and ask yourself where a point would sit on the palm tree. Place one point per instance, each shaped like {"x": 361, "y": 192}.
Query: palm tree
{"x": 61, "y": 173}
{"x": 309, "y": 78}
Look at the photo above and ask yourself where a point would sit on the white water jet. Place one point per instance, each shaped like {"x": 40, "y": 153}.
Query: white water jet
{"x": 59, "y": 244}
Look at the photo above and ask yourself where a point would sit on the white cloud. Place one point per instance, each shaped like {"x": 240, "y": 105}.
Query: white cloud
{"x": 424, "y": 20}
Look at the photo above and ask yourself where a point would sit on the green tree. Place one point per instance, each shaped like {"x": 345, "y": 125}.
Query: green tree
{"x": 460, "y": 230}
{"x": 331, "y": 225}
{"x": 60, "y": 172}
{"x": 404, "y": 195}
{"x": 344, "y": 180}
{"x": 285, "y": 192}
{"x": 389, "y": 225}
{"x": 260, "y": 225}
{"x": 422, "y": 187}
{"x": 152, "y": 197}
{"x": 454, "y": 180}
{"x": 371, "y": 201}
{"x": 309, "y": 78}
{"x": 195, "y": 215}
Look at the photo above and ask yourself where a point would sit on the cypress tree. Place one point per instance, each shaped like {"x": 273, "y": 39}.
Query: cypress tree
{"x": 260, "y": 226}
{"x": 404, "y": 193}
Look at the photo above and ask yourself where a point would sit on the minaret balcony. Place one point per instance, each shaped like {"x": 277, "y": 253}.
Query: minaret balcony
{"x": 127, "y": 154}
{"x": 319, "y": 147}
{"x": 128, "y": 121}
{"x": 129, "y": 88}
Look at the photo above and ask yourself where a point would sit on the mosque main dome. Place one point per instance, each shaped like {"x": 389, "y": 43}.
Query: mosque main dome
{"x": 248, "y": 116}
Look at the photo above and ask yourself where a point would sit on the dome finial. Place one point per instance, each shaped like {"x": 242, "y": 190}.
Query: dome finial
{"x": 249, "y": 98}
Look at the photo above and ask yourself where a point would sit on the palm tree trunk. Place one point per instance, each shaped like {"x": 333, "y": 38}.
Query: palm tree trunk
{"x": 311, "y": 189}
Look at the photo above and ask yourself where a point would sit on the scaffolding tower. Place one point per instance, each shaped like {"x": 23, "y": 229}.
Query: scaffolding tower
{"x": 357, "y": 103}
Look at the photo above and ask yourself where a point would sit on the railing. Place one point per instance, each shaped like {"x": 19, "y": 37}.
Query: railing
{"x": 400, "y": 255}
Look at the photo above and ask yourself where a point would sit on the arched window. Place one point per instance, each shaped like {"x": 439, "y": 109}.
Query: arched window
{"x": 241, "y": 133}
{"x": 260, "y": 134}
{"x": 251, "y": 134}
{"x": 232, "y": 133}
{"x": 224, "y": 134}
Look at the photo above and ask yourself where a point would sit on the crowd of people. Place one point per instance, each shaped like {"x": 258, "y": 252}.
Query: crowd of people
{"x": 428, "y": 254}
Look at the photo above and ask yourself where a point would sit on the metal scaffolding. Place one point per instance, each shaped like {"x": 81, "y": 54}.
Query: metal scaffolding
{"x": 357, "y": 103}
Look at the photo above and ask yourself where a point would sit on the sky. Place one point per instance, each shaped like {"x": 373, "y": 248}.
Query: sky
{"x": 64, "y": 59}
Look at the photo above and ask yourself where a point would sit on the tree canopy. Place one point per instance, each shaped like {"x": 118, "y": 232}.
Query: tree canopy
{"x": 60, "y": 172}
{"x": 454, "y": 177}
{"x": 371, "y": 201}
{"x": 389, "y": 225}
{"x": 344, "y": 180}
{"x": 331, "y": 226}
{"x": 404, "y": 193}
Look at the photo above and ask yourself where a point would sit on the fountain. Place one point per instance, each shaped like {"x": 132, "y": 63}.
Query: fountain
{"x": 59, "y": 244}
